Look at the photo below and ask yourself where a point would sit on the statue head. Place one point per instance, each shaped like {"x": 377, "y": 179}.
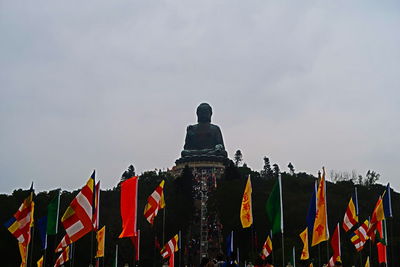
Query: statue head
{"x": 204, "y": 113}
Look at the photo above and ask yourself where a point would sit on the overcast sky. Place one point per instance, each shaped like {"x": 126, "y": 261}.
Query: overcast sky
{"x": 104, "y": 84}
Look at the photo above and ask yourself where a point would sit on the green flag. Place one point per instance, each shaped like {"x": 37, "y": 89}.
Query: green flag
{"x": 274, "y": 208}
{"x": 52, "y": 215}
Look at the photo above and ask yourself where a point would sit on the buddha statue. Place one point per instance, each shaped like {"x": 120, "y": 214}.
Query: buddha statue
{"x": 203, "y": 140}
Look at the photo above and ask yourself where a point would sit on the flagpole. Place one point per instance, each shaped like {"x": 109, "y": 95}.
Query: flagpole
{"x": 283, "y": 238}
{"x": 319, "y": 254}
{"x": 44, "y": 253}
{"x": 272, "y": 247}
{"x": 31, "y": 243}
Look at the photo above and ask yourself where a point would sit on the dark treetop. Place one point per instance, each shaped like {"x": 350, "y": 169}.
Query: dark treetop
{"x": 203, "y": 140}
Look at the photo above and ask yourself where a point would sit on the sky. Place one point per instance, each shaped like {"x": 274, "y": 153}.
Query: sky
{"x": 104, "y": 84}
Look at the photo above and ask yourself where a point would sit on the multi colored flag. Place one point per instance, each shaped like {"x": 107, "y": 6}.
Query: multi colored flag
{"x": 362, "y": 231}
{"x": 274, "y": 207}
{"x": 65, "y": 241}
{"x": 96, "y": 210}
{"x": 335, "y": 244}
{"x": 367, "y": 262}
{"x": 305, "y": 255}
{"x": 357, "y": 242}
{"x": 267, "y": 248}
{"x": 377, "y": 215}
{"x": 350, "y": 217}
{"x": 246, "y": 213}
{"x": 63, "y": 258}
{"x": 169, "y": 249}
{"x": 128, "y": 207}
{"x": 320, "y": 231}
{"x": 101, "y": 237}
{"x": 381, "y": 242}
{"x": 77, "y": 219}
{"x": 20, "y": 225}
{"x": 155, "y": 202}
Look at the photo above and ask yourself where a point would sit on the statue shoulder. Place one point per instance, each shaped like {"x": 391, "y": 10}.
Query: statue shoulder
{"x": 191, "y": 128}
{"x": 215, "y": 127}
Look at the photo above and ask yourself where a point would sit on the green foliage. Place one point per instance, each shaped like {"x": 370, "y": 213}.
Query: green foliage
{"x": 238, "y": 157}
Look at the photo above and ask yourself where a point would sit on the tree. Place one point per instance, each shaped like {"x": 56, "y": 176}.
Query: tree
{"x": 291, "y": 168}
{"x": 130, "y": 172}
{"x": 276, "y": 170}
{"x": 266, "y": 172}
{"x": 238, "y": 157}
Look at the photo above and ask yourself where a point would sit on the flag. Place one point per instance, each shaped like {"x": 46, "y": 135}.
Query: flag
{"x": 23, "y": 251}
{"x": 246, "y": 215}
{"x": 155, "y": 202}
{"x": 53, "y": 210}
{"x": 20, "y": 224}
{"x": 267, "y": 248}
{"x": 357, "y": 242}
{"x": 350, "y": 217}
{"x": 378, "y": 214}
{"x": 367, "y": 262}
{"x": 229, "y": 245}
{"x": 335, "y": 244}
{"x": 320, "y": 231}
{"x": 362, "y": 231}
{"x": 40, "y": 262}
{"x": 387, "y": 202}
{"x": 169, "y": 249}
{"x": 312, "y": 209}
{"x": 101, "y": 238}
{"x": 42, "y": 225}
{"x": 96, "y": 210}
{"x": 63, "y": 258}
{"x": 305, "y": 255}
{"x": 129, "y": 206}
{"x": 274, "y": 207}
{"x": 77, "y": 219}
{"x": 65, "y": 241}
{"x": 381, "y": 243}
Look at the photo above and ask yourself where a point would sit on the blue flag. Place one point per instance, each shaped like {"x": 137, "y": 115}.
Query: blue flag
{"x": 229, "y": 244}
{"x": 387, "y": 202}
{"x": 42, "y": 225}
{"x": 312, "y": 210}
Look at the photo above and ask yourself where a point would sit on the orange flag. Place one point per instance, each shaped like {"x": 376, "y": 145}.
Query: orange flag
{"x": 129, "y": 207}
{"x": 305, "y": 255}
{"x": 320, "y": 232}
{"x": 246, "y": 215}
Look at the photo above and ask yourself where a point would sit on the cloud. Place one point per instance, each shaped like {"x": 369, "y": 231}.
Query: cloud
{"x": 107, "y": 84}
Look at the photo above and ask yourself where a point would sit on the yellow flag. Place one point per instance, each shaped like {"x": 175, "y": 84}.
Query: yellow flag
{"x": 246, "y": 215}
{"x": 311, "y": 265}
{"x": 305, "y": 255}
{"x": 40, "y": 262}
{"x": 100, "y": 236}
{"x": 22, "y": 252}
{"x": 367, "y": 262}
{"x": 320, "y": 232}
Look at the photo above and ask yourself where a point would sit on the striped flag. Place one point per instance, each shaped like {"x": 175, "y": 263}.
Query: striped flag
{"x": 77, "y": 219}
{"x": 63, "y": 258}
{"x": 96, "y": 211}
{"x": 22, "y": 221}
{"x": 357, "y": 242}
{"x": 267, "y": 248}
{"x": 65, "y": 241}
{"x": 155, "y": 202}
{"x": 377, "y": 215}
{"x": 362, "y": 231}
{"x": 169, "y": 249}
{"x": 350, "y": 217}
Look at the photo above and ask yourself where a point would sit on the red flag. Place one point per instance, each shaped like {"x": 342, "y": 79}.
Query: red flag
{"x": 129, "y": 207}
{"x": 381, "y": 244}
{"x": 335, "y": 244}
